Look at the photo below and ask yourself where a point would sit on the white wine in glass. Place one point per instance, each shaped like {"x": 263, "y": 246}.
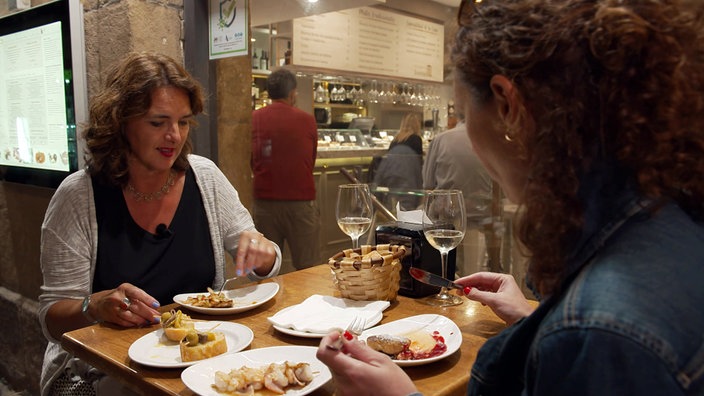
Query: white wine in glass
{"x": 444, "y": 223}
{"x": 354, "y": 210}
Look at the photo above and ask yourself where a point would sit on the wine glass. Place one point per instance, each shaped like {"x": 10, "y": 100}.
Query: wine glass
{"x": 444, "y": 223}
{"x": 354, "y": 210}
{"x": 333, "y": 93}
{"x": 341, "y": 91}
{"x": 373, "y": 94}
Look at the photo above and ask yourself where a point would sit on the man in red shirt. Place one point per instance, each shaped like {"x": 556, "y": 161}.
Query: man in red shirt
{"x": 284, "y": 147}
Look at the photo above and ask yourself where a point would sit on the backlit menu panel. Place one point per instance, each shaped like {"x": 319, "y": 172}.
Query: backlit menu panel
{"x": 370, "y": 40}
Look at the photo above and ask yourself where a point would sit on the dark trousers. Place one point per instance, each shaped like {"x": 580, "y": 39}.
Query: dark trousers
{"x": 295, "y": 222}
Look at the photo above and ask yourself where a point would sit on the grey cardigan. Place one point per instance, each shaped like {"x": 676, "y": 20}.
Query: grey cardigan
{"x": 69, "y": 244}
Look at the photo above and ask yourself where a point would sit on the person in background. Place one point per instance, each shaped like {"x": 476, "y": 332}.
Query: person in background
{"x": 146, "y": 219}
{"x": 409, "y": 133}
{"x": 401, "y": 167}
{"x": 590, "y": 115}
{"x": 284, "y": 148}
{"x": 451, "y": 163}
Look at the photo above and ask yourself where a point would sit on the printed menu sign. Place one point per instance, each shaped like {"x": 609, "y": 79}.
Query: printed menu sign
{"x": 33, "y": 131}
{"x": 370, "y": 40}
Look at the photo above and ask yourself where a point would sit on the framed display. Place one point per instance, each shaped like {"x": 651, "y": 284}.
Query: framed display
{"x": 42, "y": 93}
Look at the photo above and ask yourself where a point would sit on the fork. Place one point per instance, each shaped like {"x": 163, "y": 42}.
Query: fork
{"x": 224, "y": 283}
{"x": 355, "y": 329}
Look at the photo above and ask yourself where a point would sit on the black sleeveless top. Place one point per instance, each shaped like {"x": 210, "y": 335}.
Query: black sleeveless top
{"x": 179, "y": 260}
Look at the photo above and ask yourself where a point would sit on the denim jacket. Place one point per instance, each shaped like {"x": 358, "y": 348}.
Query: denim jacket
{"x": 629, "y": 322}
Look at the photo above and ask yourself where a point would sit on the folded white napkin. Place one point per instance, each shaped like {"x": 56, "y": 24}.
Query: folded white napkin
{"x": 410, "y": 216}
{"x": 319, "y": 314}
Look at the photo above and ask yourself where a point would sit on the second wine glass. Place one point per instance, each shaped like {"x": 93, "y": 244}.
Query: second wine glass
{"x": 444, "y": 223}
{"x": 354, "y": 210}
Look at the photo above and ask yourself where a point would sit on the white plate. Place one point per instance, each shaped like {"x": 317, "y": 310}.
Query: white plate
{"x": 200, "y": 377}
{"x": 245, "y": 298}
{"x": 155, "y": 350}
{"x": 306, "y": 334}
{"x": 430, "y": 322}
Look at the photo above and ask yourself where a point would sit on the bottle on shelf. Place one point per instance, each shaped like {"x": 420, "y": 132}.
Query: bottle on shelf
{"x": 265, "y": 101}
{"x": 451, "y": 116}
{"x": 264, "y": 61}
{"x": 287, "y": 54}
{"x": 255, "y": 95}
{"x": 255, "y": 59}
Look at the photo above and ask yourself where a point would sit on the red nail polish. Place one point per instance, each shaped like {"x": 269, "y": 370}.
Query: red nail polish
{"x": 348, "y": 336}
{"x": 466, "y": 290}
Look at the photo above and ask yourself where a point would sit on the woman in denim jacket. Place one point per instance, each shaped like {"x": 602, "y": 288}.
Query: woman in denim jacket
{"x": 590, "y": 114}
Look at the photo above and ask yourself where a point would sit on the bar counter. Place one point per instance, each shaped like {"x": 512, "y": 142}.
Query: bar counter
{"x": 362, "y": 153}
{"x": 105, "y": 346}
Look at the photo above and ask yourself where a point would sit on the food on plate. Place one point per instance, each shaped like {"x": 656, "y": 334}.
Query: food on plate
{"x": 388, "y": 344}
{"x": 211, "y": 300}
{"x": 413, "y": 346}
{"x": 276, "y": 377}
{"x": 199, "y": 345}
{"x": 176, "y": 325}
{"x": 194, "y": 345}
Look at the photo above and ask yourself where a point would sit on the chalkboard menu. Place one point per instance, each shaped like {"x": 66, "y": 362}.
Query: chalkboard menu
{"x": 370, "y": 40}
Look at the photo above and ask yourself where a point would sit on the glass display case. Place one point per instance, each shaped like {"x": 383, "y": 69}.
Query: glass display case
{"x": 342, "y": 139}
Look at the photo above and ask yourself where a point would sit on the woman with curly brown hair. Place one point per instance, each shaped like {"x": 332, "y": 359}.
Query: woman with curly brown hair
{"x": 590, "y": 115}
{"x": 145, "y": 221}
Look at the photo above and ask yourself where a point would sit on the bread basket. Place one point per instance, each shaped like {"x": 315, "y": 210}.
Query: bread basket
{"x": 369, "y": 272}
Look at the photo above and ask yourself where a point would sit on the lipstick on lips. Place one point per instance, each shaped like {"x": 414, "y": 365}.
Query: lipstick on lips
{"x": 166, "y": 152}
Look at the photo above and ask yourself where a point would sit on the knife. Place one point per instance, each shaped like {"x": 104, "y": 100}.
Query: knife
{"x": 432, "y": 279}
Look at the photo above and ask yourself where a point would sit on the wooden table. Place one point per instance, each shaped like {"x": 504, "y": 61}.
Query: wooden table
{"x": 105, "y": 346}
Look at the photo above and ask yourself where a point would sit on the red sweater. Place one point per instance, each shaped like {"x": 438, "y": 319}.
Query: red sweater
{"x": 284, "y": 147}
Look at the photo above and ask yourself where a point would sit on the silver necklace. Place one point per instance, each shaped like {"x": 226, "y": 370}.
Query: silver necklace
{"x": 140, "y": 196}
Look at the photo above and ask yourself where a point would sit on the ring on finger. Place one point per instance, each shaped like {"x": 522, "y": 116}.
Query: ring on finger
{"x": 253, "y": 241}
{"x": 127, "y": 303}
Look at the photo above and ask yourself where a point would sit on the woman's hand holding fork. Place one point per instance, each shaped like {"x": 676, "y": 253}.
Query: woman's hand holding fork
{"x": 355, "y": 367}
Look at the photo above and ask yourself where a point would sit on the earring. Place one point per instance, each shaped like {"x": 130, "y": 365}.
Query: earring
{"x": 508, "y": 135}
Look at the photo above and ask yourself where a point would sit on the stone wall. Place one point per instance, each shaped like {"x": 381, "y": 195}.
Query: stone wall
{"x": 112, "y": 28}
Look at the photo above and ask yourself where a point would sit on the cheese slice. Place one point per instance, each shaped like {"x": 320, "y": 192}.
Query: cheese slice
{"x": 421, "y": 342}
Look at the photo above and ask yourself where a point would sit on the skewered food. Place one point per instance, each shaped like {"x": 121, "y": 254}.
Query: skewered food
{"x": 176, "y": 325}
{"x": 202, "y": 345}
{"x": 276, "y": 377}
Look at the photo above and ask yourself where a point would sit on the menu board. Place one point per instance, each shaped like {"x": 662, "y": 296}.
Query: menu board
{"x": 370, "y": 40}
{"x": 33, "y": 123}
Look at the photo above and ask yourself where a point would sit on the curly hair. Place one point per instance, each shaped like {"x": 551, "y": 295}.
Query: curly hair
{"x": 127, "y": 94}
{"x": 606, "y": 81}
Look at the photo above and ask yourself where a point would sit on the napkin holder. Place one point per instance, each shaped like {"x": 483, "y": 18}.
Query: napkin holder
{"x": 421, "y": 255}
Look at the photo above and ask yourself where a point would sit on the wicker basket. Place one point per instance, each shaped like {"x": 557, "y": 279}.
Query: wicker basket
{"x": 369, "y": 272}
